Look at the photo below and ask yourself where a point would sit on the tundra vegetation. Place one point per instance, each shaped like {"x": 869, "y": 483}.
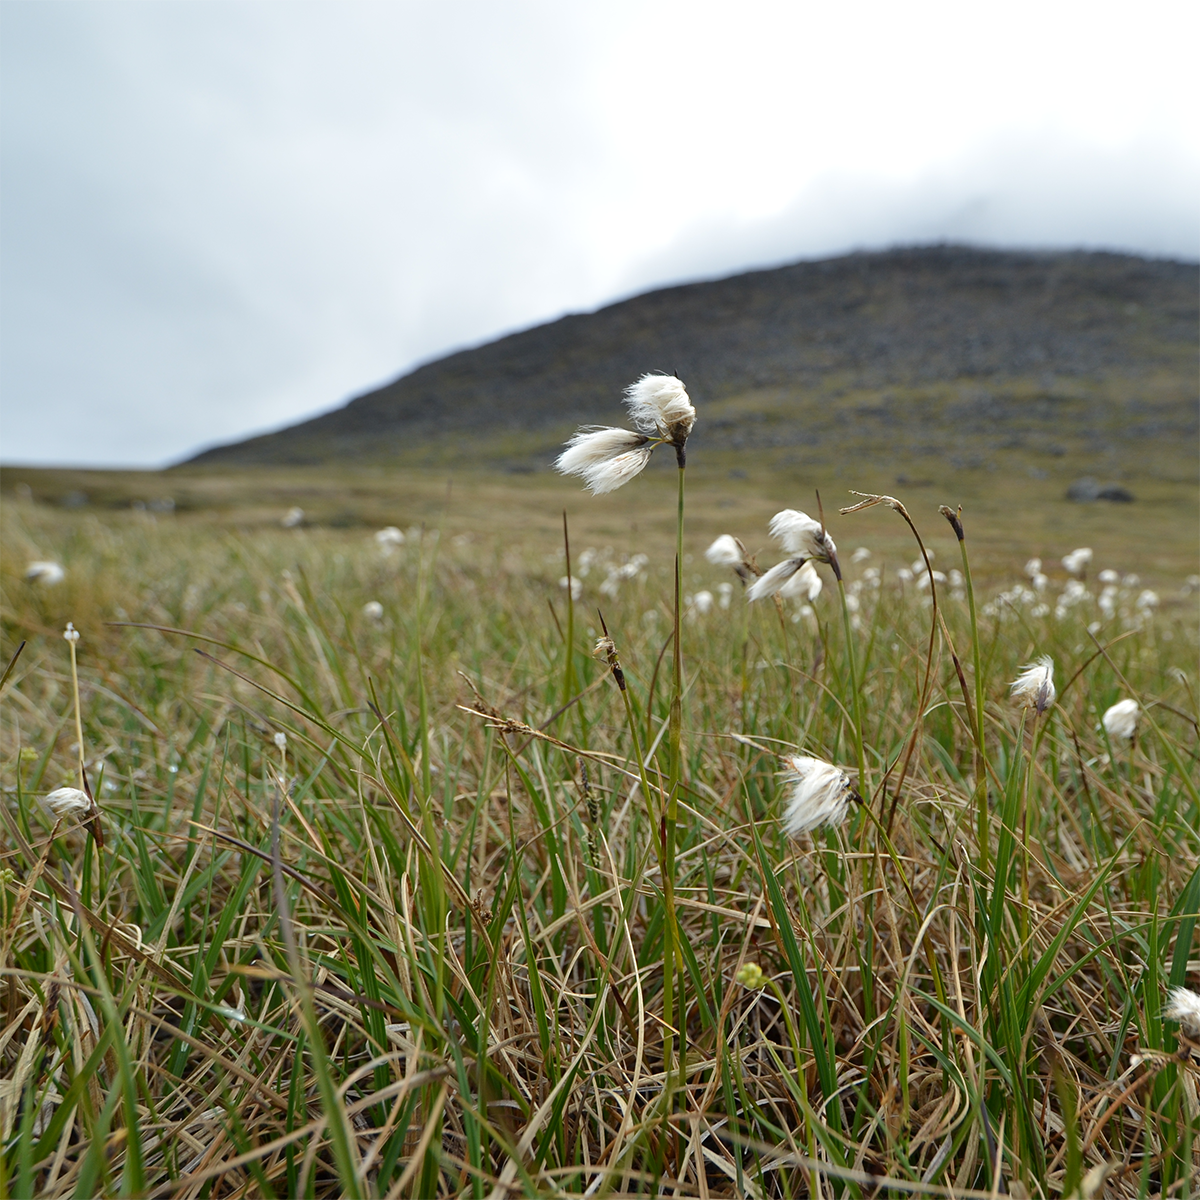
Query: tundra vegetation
{"x": 373, "y": 899}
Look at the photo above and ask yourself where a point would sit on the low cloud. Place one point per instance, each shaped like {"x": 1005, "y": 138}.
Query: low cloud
{"x": 1032, "y": 193}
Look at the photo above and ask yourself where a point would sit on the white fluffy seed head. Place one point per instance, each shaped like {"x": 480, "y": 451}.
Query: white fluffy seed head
{"x": 64, "y": 801}
{"x": 726, "y": 551}
{"x": 1077, "y": 560}
{"x": 616, "y": 472}
{"x": 1183, "y": 1005}
{"x": 1120, "y": 721}
{"x": 806, "y": 582}
{"x": 659, "y": 404}
{"x": 373, "y": 610}
{"x": 604, "y": 458}
{"x": 281, "y": 740}
{"x": 1034, "y": 687}
{"x": 770, "y": 583}
{"x": 388, "y": 537}
{"x": 820, "y": 794}
{"x": 801, "y": 535}
{"x": 45, "y": 573}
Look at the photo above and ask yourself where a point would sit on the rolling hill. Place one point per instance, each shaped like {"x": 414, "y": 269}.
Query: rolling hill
{"x": 937, "y": 350}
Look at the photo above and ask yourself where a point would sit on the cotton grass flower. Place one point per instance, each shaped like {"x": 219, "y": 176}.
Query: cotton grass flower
{"x": 607, "y": 458}
{"x": 806, "y": 540}
{"x": 728, "y": 551}
{"x": 771, "y": 583}
{"x": 1183, "y": 1005}
{"x": 806, "y": 582}
{"x": 389, "y": 538}
{"x": 659, "y": 405}
{"x": 292, "y": 518}
{"x": 65, "y": 801}
{"x": 1077, "y": 560}
{"x": 46, "y": 573}
{"x": 701, "y": 603}
{"x": 799, "y": 534}
{"x": 373, "y": 610}
{"x": 1120, "y": 721}
{"x": 1034, "y": 687}
{"x": 820, "y": 794}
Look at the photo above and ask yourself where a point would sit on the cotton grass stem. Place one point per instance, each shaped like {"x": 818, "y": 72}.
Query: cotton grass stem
{"x": 71, "y": 635}
{"x": 855, "y": 697}
{"x": 72, "y": 638}
{"x": 869, "y": 500}
{"x": 981, "y": 802}
{"x": 569, "y": 664}
{"x": 672, "y": 956}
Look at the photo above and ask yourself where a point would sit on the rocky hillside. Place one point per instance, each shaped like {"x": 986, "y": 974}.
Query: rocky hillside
{"x": 1005, "y": 331}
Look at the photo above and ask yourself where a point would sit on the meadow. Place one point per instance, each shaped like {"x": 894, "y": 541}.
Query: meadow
{"x": 383, "y": 905}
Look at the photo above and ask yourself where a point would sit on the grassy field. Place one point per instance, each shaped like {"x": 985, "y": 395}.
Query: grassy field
{"x": 421, "y": 944}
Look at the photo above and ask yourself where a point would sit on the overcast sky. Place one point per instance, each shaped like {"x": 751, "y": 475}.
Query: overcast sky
{"x": 219, "y": 217}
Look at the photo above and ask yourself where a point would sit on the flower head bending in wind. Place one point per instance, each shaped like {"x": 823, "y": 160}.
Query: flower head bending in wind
{"x": 820, "y": 794}
{"x": 606, "y": 458}
{"x": 1034, "y": 687}
{"x": 659, "y": 405}
{"x": 807, "y": 583}
{"x": 806, "y": 541}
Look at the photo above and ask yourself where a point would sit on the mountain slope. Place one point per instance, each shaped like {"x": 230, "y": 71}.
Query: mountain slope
{"x": 916, "y": 318}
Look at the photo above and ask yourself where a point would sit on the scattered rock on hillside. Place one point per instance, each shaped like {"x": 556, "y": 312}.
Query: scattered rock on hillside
{"x": 1084, "y": 491}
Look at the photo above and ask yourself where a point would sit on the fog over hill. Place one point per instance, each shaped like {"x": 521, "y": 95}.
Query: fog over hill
{"x": 910, "y": 318}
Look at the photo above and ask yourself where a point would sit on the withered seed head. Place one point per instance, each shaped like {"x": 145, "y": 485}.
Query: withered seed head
{"x": 955, "y": 519}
